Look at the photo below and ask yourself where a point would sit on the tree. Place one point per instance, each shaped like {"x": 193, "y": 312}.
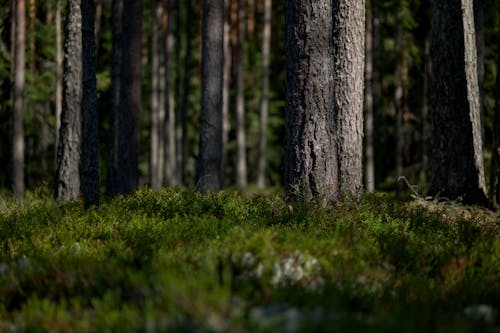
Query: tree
{"x": 19, "y": 17}
{"x": 68, "y": 152}
{"x": 324, "y": 99}
{"x": 154, "y": 154}
{"x": 457, "y": 158}
{"x": 209, "y": 164}
{"x": 241, "y": 156}
{"x": 58, "y": 72}
{"x": 90, "y": 135}
{"x": 127, "y": 119}
{"x": 495, "y": 162}
{"x": 264, "y": 103}
{"x": 369, "y": 106}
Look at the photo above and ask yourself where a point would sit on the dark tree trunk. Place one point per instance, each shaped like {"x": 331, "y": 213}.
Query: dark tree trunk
{"x": 241, "y": 155}
{"x": 209, "y": 167}
{"x": 311, "y": 166}
{"x": 114, "y": 124}
{"x": 129, "y": 98}
{"x": 457, "y": 159}
{"x": 495, "y": 163}
{"x": 68, "y": 153}
{"x": 264, "y": 103}
{"x": 90, "y": 135}
{"x": 154, "y": 156}
{"x": 58, "y": 73}
{"x": 348, "y": 85}
{"x": 369, "y": 106}
{"x": 19, "y": 17}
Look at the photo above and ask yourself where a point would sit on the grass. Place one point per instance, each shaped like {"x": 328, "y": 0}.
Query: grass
{"x": 180, "y": 261}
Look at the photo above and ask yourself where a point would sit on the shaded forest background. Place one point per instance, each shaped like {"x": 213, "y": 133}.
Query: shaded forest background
{"x": 401, "y": 34}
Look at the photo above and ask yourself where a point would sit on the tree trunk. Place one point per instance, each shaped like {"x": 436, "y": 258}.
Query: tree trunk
{"x": 479, "y": 30}
{"x": 264, "y": 103}
{"x": 348, "y": 85}
{"x": 68, "y": 159}
{"x": 209, "y": 167}
{"x": 457, "y": 161}
{"x": 90, "y": 135}
{"x": 495, "y": 163}
{"x": 130, "y": 98}
{"x": 98, "y": 25}
{"x": 398, "y": 101}
{"x": 169, "y": 129}
{"x": 311, "y": 167}
{"x": 154, "y": 156}
{"x": 241, "y": 156}
{"x": 58, "y": 72}
{"x": 18, "y": 98}
{"x": 369, "y": 107}
{"x": 114, "y": 119}
{"x": 226, "y": 124}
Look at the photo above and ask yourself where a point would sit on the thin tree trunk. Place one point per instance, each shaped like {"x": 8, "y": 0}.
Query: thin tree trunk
{"x": 18, "y": 98}
{"x": 209, "y": 167}
{"x": 264, "y": 103}
{"x": 170, "y": 157}
{"x": 369, "y": 107}
{"x": 177, "y": 30}
{"x": 90, "y": 135}
{"x": 495, "y": 162}
{"x": 226, "y": 80}
{"x": 479, "y": 30}
{"x": 155, "y": 96}
{"x": 59, "y": 69}
{"x": 68, "y": 159}
{"x": 98, "y": 25}
{"x": 398, "y": 101}
{"x": 114, "y": 119}
{"x": 241, "y": 156}
{"x": 457, "y": 163}
{"x": 130, "y": 97}
{"x": 425, "y": 108}
{"x": 348, "y": 82}
{"x": 31, "y": 36}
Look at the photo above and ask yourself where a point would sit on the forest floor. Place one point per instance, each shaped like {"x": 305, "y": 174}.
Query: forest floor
{"x": 179, "y": 261}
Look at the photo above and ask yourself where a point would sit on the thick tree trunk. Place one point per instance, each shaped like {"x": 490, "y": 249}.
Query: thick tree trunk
{"x": 130, "y": 98}
{"x": 209, "y": 168}
{"x": 114, "y": 119}
{"x": 68, "y": 159}
{"x": 90, "y": 135}
{"x": 457, "y": 161}
{"x": 369, "y": 106}
{"x": 495, "y": 163}
{"x": 311, "y": 166}
{"x": 479, "y": 30}
{"x": 169, "y": 129}
{"x": 264, "y": 102}
{"x": 19, "y": 41}
{"x": 154, "y": 172}
{"x": 348, "y": 85}
{"x": 241, "y": 155}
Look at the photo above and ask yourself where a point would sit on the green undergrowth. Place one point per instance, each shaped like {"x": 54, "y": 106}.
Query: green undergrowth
{"x": 180, "y": 261}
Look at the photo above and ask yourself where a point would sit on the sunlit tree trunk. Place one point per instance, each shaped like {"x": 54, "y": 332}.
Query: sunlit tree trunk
{"x": 19, "y": 17}
{"x": 479, "y": 30}
{"x": 457, "y": 160}
{"x": 209, "y": 167}
{"x": 90, "y": 135}
{"x": 241, "y": 156}
{"x": 264, "y": 103}
{"x": 226, "y": 80}
{"x": 68, "y": 158}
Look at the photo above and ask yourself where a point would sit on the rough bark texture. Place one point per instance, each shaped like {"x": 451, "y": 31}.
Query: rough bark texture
{"x": 114, "y": 124}
{"x": 68, "y": 153}
{"x": 369, "y": 106}
{"x": 209, "y": 168}
{"x": 18, "y": 98}
{"x": 154, "y": 166}
{"x": 241, "y": 150}
{"x": 90, "y": 135}
{"x": 348, "y": 84}
{"x": 495, "y": 163}
{"x": 311, "y": 166}
{"x": 130, "y": 98}
{"x": 457, "y": 159}
{"x": 264, "y": 102}
{"x": 170, "y": 156}
{"x": 479, "y": 30}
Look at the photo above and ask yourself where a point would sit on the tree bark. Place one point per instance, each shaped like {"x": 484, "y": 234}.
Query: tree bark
{"x": 348, "y": 82}
{"x": 398, "y": 101}
{"x": 59, "y": 73}
{"x": 209, "y": 167}
{"x": 369, "y": 106}
{"x": 457, "y": 159}
{"x": 495, "y": 162}
{"x": 154, "y": 172}
{"x": 264, "y": 103}
{"x": 19, "y": 41}
{"x": 169, "y": 129}
{"x": 226, "y": 124}
{"x": 130, "y": 98}
{"x": 241, "y": 156}
{"x": 114, "y": 119}
{"x": 68, "y": 159}
{"x": 479, "y": 30}
{"x": 90, "y": 135}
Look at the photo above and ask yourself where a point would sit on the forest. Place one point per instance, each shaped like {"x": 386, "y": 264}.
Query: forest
{"x": 249, "y": 165}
